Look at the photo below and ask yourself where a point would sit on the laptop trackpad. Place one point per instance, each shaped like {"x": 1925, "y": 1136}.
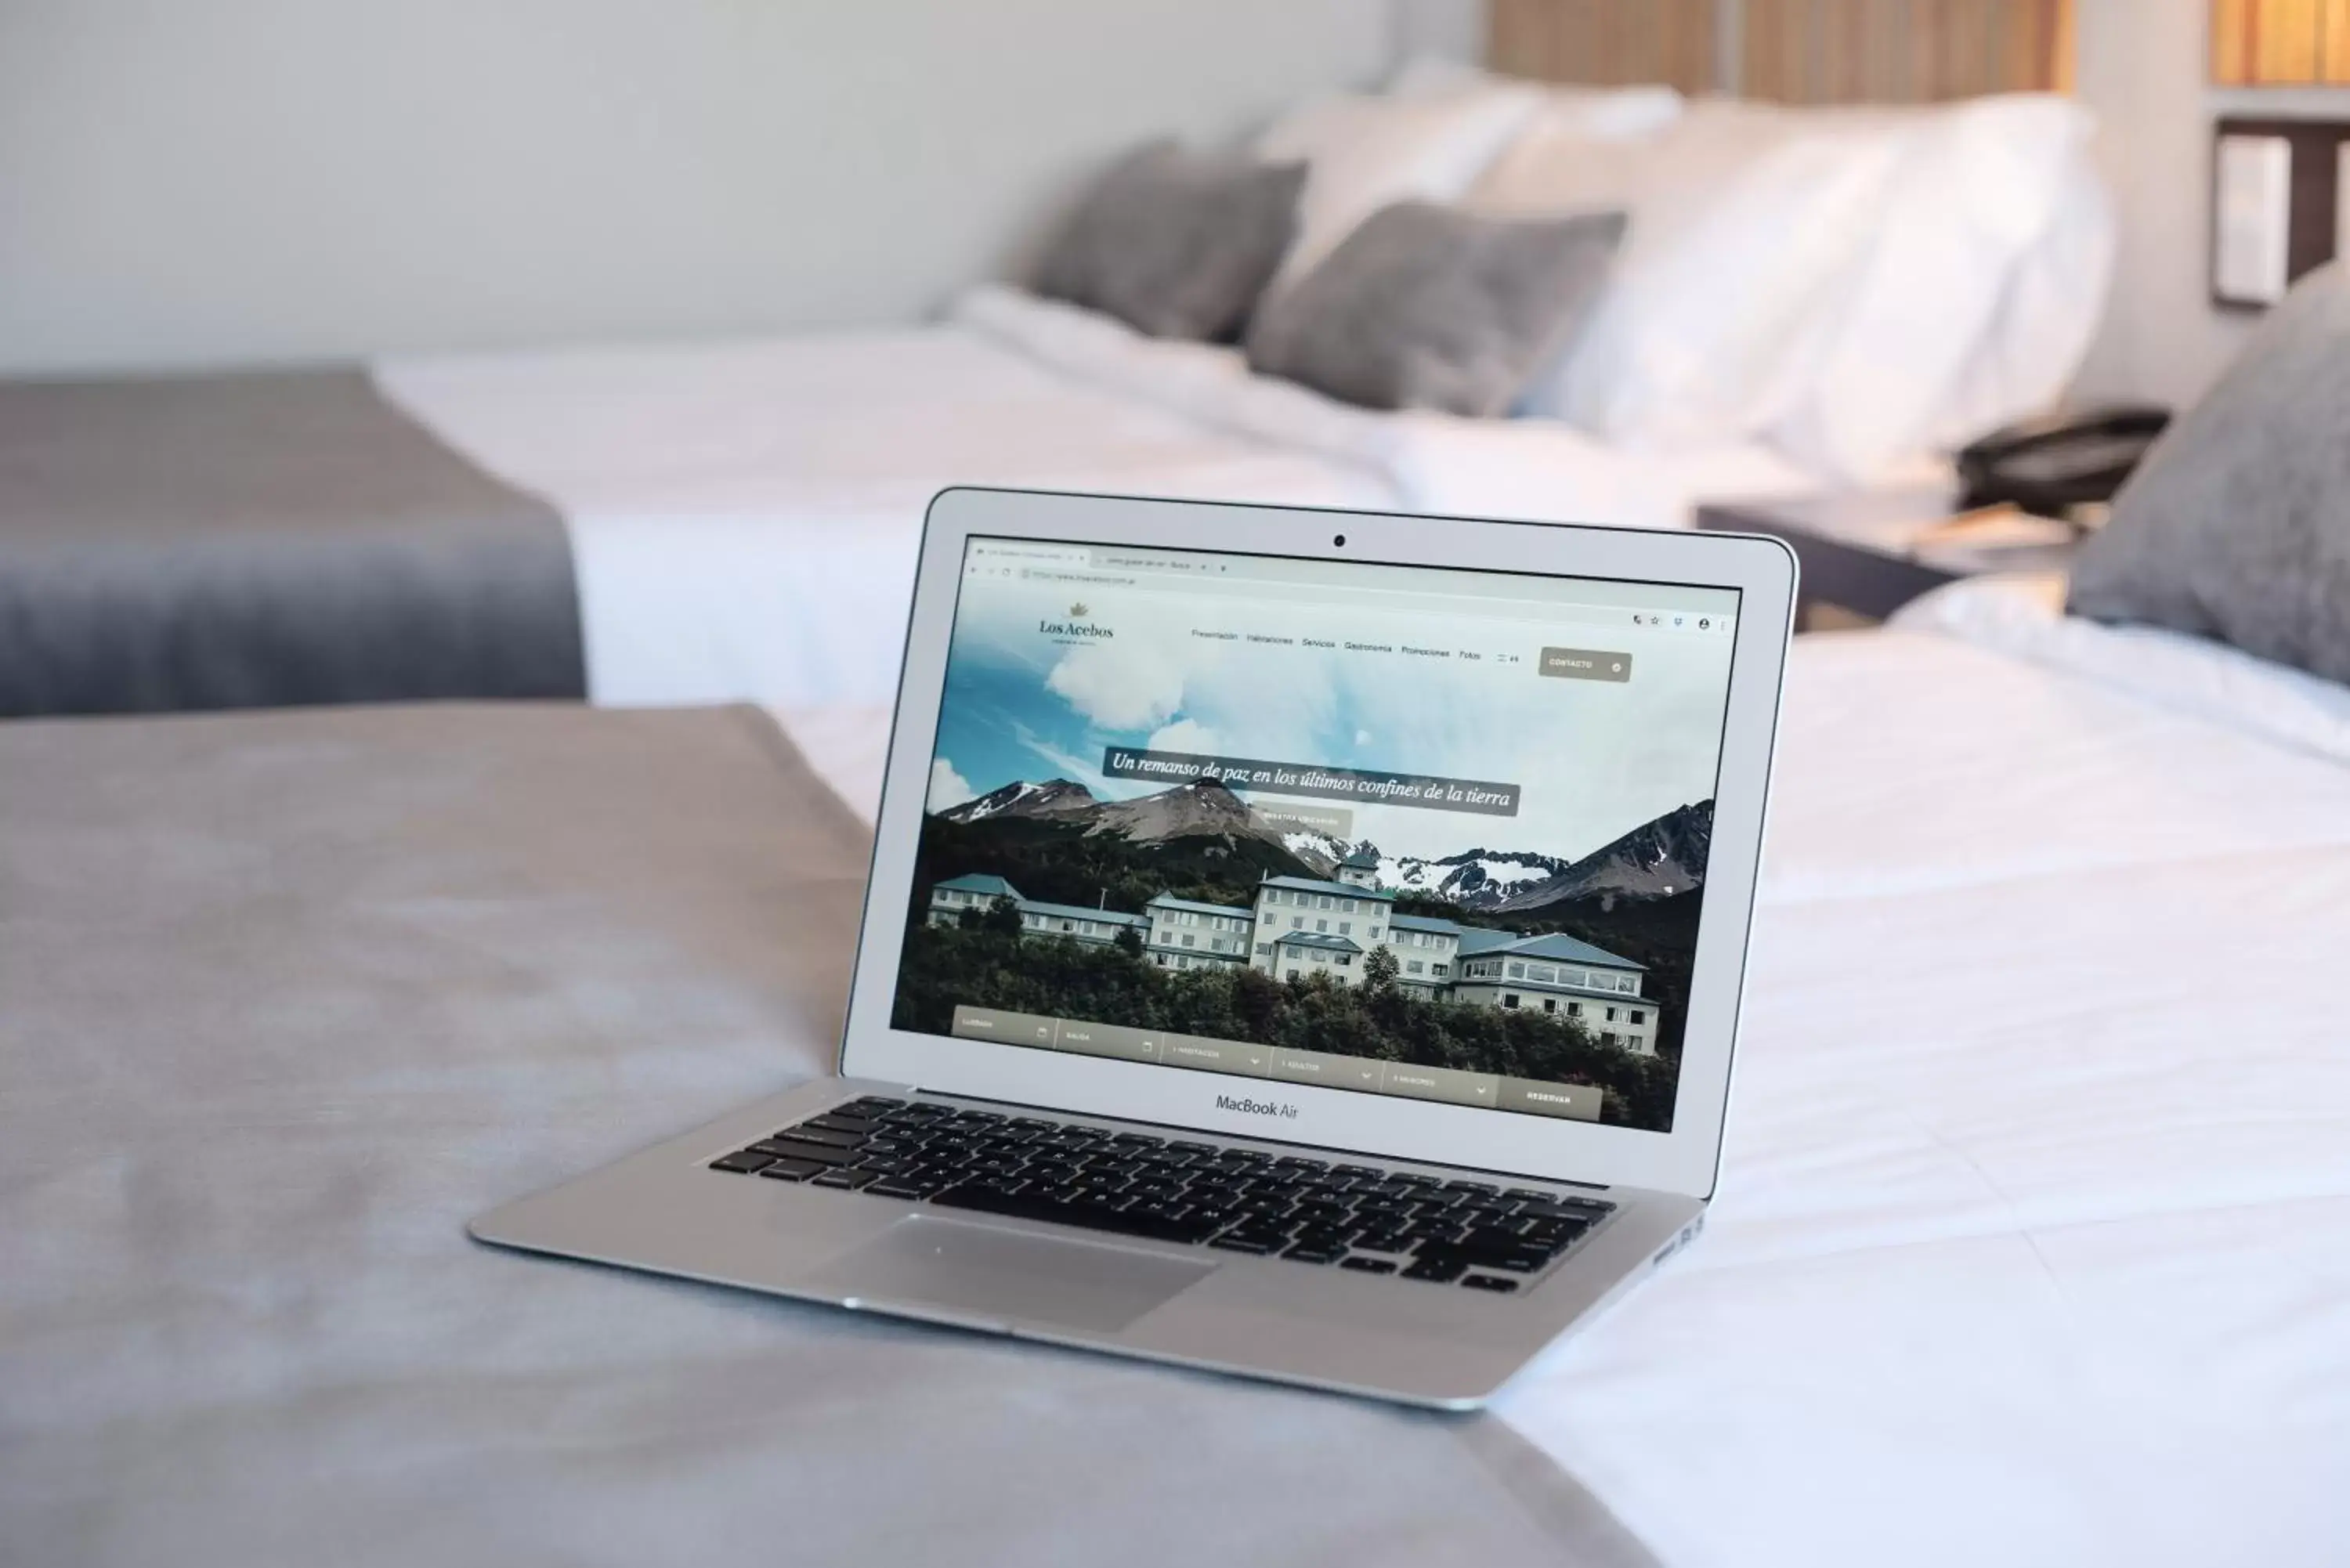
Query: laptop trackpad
{"x": 982, "y": 1273}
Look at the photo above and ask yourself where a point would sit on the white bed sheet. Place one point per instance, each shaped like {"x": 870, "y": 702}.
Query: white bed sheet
{"x": 744, "y": 514}
{"x": 2033, "y": 1243}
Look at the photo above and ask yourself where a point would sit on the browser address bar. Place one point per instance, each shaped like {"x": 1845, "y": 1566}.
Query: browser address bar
{"x": 1066, "y": 575}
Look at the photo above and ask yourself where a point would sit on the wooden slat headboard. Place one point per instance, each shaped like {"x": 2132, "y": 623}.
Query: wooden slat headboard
{"x": 1793, "y": 51}
{"x": 1609, "y": 42}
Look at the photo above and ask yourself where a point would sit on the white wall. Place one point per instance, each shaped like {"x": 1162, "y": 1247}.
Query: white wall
{"x": 236, "y": 180}
{"x": 2143, "y": 66}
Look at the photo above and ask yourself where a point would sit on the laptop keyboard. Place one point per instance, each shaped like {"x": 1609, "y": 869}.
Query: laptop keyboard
{"x": 1477, "y": 1234}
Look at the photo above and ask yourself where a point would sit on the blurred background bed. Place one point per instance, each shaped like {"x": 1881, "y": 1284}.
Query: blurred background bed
{"x": 1809, "y": 298}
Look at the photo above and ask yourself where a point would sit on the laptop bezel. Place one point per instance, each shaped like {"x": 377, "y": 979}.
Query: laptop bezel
{"x": 1684, "y": 1160}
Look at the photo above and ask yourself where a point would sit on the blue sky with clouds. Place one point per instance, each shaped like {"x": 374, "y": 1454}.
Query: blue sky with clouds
{"x": 1594, "y": 760}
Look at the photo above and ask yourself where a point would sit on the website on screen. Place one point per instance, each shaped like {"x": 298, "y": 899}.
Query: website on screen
{"x": 1395, "y": 830}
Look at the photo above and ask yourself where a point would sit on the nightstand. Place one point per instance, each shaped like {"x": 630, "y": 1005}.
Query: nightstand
{"x": 1866, "y": 554}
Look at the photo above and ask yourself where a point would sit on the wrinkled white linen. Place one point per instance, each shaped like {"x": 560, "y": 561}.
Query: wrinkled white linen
{"x": 2033, "y": 1241}
{"x": 744, "y": 516}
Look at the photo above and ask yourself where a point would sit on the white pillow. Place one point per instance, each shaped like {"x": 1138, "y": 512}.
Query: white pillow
{"x": 1608, "y": 114}
{"x": 1745, "y": 219}
{"x": 2054, "y": 302}
{"x": 1363, "y": 153}
{"x": 1975, "y": 299}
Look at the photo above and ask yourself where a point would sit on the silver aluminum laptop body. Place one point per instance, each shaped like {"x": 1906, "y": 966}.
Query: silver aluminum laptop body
{"x": 1152, "y": 612}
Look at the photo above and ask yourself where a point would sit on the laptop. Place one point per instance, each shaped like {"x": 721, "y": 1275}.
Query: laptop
{"x": 1304, "y": 944}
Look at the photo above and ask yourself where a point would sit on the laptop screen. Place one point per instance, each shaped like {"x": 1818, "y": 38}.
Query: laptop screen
{"x": 1394, "y": 830}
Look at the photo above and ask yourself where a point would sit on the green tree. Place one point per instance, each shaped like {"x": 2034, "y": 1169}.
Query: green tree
{"x": 1003, "y": 918}
{"x": 1129, "y": 941}
{"x": 1380, "y": 969}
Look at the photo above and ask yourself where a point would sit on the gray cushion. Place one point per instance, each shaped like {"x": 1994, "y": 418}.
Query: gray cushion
{"x": 1424, "y": 307}
{"x": 2237, "y": 526}
{"x": 1176, "y": 243}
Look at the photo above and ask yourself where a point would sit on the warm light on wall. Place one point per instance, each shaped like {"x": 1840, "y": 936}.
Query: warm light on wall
{"x": 2280, "y": 42}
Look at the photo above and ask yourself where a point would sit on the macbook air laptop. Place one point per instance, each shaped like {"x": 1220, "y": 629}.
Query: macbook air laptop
{"x": 1304, "y": 944}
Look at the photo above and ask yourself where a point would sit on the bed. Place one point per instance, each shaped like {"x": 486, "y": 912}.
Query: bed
{"x": 1809, "y": 298}
{"x": 687, "y": 476}
{"x": 678, "y": 524}
{"x": 2033, "y": 1244}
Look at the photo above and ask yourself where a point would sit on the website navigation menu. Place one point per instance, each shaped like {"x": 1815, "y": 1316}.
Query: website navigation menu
{"x": 1362, "y": 1075}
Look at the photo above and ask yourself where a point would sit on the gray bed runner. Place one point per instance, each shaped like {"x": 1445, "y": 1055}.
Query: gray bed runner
{"x": 257, "y": 539}
{"x": 290, "y": 996}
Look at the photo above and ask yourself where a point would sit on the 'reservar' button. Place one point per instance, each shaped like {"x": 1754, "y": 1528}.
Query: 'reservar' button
{"x": 1577, "y": 1102}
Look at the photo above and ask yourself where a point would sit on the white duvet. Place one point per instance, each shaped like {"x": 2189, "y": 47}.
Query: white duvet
{"x": 2033, "y": 1241}
{"x": 744, "y": 515}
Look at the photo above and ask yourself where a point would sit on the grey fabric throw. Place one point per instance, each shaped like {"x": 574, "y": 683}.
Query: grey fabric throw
{"x": 1176, "y": 243}
{"x": 2237, "y": 526}
{"x": 292, "y": 995}
{"x": 1429, "y": 307}
{"x": 280, "y": 537}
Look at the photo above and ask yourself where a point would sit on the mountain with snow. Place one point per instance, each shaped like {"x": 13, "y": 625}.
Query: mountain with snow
{"x": 1656, "y": 860}
{"x": 1203, "y": 808}
{"x": 1320, "y": 852}
{"x": 1474, "y": 879}
{"x": 1052, "y": 798}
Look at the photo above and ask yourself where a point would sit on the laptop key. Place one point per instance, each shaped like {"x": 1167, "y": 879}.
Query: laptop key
{"x": 1362, "y": 1265}
{"x": 842, "y": 1176}
{"x": 1090, "y": 1216}
{"x": 1440, "y": 1267}
{"x": 808, "y": 1132}
{"x": 748, "y": 1160}
{"x": 816, "y": 1153}
{"x": 1306, "y": 1254}
{"x": 1492, "y": 1238}
{"x": 899, "y": 1187}
{"x": 1553, "y": 1237}
{"x": 1488, "y": 1282}
{"x": 792, "y": 1169}
{"x": 1271, "y": 1237}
